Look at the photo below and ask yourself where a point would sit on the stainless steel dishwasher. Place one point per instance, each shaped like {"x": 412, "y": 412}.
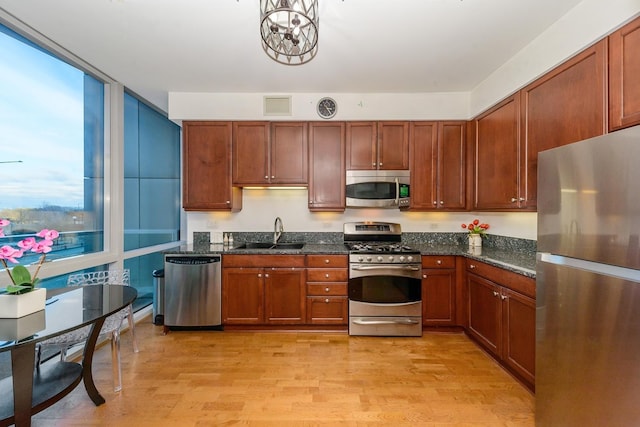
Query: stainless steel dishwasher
{"x": 192, "y": 291}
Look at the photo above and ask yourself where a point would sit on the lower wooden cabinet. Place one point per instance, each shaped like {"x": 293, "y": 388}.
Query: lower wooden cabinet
{"x": 439, "y": 291}
{"x": 327, "y": 302}
{"x": 267, "y": 289}
{"x": 502, "y": 317}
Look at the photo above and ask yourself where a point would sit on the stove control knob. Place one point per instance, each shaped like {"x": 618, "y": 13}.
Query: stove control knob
{"x": 360, "y": 259}
{"x": 402, "y": 258}
{"x": 391, "y": 258}
{"x": 409, "y": 258}
{"x": 380, "y": 259}
{"x": 368, "y": 259}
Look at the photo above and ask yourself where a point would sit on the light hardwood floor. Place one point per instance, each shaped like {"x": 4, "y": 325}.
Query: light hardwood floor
{"x": 209, "y": 378}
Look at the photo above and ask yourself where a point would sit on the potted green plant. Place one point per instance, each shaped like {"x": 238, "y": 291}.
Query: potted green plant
{"x": 22, "y": 296}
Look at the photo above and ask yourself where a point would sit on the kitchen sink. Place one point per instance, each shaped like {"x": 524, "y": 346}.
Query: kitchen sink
{"x": 269, "y": 245}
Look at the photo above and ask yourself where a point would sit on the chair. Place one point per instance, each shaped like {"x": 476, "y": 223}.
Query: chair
{"x": 111, "y": 327}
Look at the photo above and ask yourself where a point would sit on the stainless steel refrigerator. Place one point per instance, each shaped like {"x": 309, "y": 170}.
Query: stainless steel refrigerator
{"x": 588, "y": 283}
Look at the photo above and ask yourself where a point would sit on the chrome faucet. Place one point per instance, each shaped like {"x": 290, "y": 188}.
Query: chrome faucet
{"x": 277, "y": 230}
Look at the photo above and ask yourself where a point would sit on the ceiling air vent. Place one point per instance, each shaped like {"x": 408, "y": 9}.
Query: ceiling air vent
{"x": 277, "y": 105}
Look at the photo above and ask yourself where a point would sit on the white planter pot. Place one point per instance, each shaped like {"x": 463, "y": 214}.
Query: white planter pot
{"x": 23, "y": 327}
{"x": 14, "y": 306}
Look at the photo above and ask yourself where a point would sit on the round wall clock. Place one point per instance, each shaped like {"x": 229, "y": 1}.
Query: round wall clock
{"x": 327, "y": 108}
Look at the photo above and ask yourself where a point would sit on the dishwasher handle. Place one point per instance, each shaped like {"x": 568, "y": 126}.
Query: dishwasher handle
{"x": 192, "y": 260}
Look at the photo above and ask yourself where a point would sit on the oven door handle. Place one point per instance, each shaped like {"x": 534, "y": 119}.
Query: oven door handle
{"x": 397, "y": 192}
{"x": 386, "y": 322}
{"x": 385, "y": 267}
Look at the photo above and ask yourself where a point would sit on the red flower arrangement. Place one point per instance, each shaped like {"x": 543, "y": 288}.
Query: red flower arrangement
{"x": 475, "y": 227}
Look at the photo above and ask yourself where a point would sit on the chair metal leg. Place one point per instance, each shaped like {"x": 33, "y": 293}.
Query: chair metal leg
{"x": 132, "y": 328}
{"x": 115, "y": 361}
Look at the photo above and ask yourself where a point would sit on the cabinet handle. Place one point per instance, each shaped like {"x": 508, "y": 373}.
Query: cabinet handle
{"x": 380, "y": 164}
{"x": 495, "y": 294}
{"x": 266, "y": 177}
{"x": 373, "y": 164}
{"x": 326, "y": 300}
{"x": 439, "y": 262}
{"x": 326, "y": 275}
{"x": 424, "y": 276}
{"x": 513, "y": 200}
{"x": 326, "y": 261}
{"x": 522, "y": 199}
{"x": 272, "y": 176}
{"x": 228, "y": 202}
{"x": 266, "y": 275}
{"x": 259, "y": 274}
{"x": 472, "y": 266}
{"x": 503, "y": 297}
{"x": 441, "y": 202}
{"x": 435, "y": 203}
{"x": 327, "y": 289}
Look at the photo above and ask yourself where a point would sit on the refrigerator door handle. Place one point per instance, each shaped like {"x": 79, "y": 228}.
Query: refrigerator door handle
{"x": 592, "y": 267}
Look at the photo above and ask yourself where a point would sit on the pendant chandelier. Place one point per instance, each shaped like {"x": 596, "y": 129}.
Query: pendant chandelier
{"x": 289, "y": 30}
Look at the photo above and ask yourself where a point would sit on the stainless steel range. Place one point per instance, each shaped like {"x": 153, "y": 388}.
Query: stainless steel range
{"x": 385, "y": 288}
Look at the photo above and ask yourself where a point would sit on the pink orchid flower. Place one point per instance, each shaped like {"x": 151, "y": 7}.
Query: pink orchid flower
{"x": 27, "y": 243}
{"x": 4, "y": 222}
{"x": 42, "y": 247}
{"x": 48, "y": 234}
{"x": 10, "y": 254}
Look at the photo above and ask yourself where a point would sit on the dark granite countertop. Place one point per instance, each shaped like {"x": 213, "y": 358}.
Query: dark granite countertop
{"x": 521, "y": 262}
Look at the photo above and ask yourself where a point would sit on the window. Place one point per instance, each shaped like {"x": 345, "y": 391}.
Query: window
{"x": 51, "y": 161}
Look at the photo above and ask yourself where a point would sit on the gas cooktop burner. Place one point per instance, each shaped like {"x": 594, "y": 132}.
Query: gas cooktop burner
{"x": 368, "y": 247}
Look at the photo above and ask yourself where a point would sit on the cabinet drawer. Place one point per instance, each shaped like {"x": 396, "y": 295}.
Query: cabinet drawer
{"x": 327, "y": 289}
{"x": 435, "y": 261}
{"x": 327, "y": 275}
{"x": 324, "y": 261}
{"x": 263, "y": 260}
{"x": 514, "y": 281}
{"x": 327, "y": 310}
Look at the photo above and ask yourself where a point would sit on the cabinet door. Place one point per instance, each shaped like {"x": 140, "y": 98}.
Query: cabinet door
{"x": 496, "y": 157}
{"x": 393, "y": 145}
{"x": 624, "y": 69}
{"x": 423, "y": 150}
{"x": 242, "y": 296}
{"x": 327, "y": 166}
{"x": 288, "y": 152}
{"x": 485, "y": 316}
{"x": 451, "y": 172}
{"x": 285, "y": 295}
{"x": 519, "y": 319}
{"x": 566, "y": 105}
{"x": 250, "y": 153}
{"x": 361, "y": 146}
{"x": 207, "y": 167}
{"x": 438, "y": 297}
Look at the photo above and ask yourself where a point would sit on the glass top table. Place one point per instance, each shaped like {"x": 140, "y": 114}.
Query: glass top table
{"x": 66, "y": 309}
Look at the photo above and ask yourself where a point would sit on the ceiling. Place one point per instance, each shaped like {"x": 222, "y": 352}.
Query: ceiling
{"x": 365, "y": 46}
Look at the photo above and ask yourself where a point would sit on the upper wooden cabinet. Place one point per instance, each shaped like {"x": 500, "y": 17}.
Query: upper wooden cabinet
{"x": 327, "y": 166}
{"x": 624, "y": 76}
{"x": 437, "y": 152}
{"x": 207, "y": 167}
{"x": 377, "y": 145}
{"x": 496, "y": 162}
{"x": 566, "y": 105}
{"x": 269, "y": 153}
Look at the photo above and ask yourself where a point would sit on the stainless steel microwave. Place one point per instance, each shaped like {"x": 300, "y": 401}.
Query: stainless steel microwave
{"x": 378, "y": 189}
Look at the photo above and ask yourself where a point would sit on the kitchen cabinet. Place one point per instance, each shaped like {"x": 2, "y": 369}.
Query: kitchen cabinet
{"x": 267, "y": 153}
{"x": 327, "y": 302}
{"x": 502, "y": 316}
{"x": 206, "y": 156}
{"x": 327, "y": 166}
{"x": 263, "y": 289}
{"x": 377, "y": 145}
{"x": 567, "y": 104}
{"x": 438, "y": 290}
{"x": 496, "y": 159}
{"x": 438, "y": 153}
{"x": 624, "y": 83}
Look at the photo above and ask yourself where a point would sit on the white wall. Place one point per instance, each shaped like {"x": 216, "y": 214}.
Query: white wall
{"x": 587, "y": 22}
{"x": 261, "y": 207}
